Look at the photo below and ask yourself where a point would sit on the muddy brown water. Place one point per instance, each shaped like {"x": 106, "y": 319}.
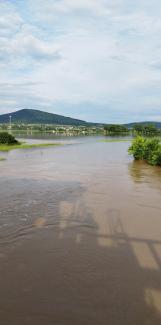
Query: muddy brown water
{"x": 80, "y": 237}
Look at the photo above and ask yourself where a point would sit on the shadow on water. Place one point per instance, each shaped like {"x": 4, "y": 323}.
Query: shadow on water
{"x": 56, "y": 271}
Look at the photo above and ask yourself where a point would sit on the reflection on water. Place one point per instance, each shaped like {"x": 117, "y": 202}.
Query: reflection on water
{"x": 80, "y": 237}
{"x": 142, "y": 172}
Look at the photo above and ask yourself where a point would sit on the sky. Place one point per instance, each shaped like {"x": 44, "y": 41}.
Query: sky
{"x": 96, "y": 60}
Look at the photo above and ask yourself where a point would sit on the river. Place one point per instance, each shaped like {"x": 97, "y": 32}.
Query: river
{"x": 80, "y": 236}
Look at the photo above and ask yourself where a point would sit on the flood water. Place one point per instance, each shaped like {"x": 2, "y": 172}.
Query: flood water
{"x": 80, "y": 236}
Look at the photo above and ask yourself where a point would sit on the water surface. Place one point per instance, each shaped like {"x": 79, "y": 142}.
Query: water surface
{"x": 80, "y": 236}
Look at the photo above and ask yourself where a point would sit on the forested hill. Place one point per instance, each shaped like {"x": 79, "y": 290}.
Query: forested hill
{"x": 131, "y": 125}
{"x": 32, "y": 116}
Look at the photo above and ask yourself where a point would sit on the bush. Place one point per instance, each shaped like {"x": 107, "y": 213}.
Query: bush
{"x": 6, "y": 138}
{"x": 146, "y": 149}
{"x": 156, "y": 157}
{"x": 137, "y": 148}
{"x": 150, "y": 146}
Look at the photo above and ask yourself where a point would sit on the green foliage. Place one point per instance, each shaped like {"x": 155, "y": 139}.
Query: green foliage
{"x": 6, "y": 138}
{"x": 138, "y": 128}
{"x": 137, "y": 148}
{"x": 116, "y": 129}
{"x": 18, "y": 145}
{"x": 148, "y": 130}
{"x": 150, "y": 146}
{"x": 156, "y": 157}
{"x": 146, "y": 149}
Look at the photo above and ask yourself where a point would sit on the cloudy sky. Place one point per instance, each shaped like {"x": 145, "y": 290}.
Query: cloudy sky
{"x": 98, "y": 60}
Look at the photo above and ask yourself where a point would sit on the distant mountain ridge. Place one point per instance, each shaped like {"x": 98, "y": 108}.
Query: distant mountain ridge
{"x": 33, "y": 116}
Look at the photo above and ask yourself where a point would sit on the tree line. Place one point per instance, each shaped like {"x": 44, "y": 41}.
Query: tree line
{"x": 147, "y": 130}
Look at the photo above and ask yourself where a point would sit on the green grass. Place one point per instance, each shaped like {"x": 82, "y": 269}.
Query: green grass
{"x": 2, "y": 158}
{"x": 27, "y": 146}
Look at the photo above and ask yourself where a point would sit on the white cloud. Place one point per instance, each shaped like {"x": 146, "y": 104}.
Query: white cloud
{"x": 29, "y": 45}
{"x": 18, "y": 42}
{"x": 106, "y": 54}
{"x": 10, "y": 20}
{"x": 50, "y": 8}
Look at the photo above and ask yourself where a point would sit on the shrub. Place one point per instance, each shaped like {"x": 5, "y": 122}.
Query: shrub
{"x": 150, "y": 146}
{"x": 137, "y": 148}
{"x": 6, "y": 138}
{"x": 146, "y": 149}
{"x": 156, "y": 157}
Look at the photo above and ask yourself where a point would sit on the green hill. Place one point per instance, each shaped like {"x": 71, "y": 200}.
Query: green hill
{"x": 32, "y": 116}
{"x": 131, "y": 125}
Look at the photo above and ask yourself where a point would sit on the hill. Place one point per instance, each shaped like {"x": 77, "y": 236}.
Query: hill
{"x": 131, "y": 125}
{"x": 32, "y": 116}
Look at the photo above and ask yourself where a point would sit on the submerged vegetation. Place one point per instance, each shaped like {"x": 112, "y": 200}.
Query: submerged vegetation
{"x": 27, "y": 146}
{"x": 7, "y": 139}
{"x": 8, "y": 142}
{"x": 145, "y": 149}
{"x": 116, "y": 140}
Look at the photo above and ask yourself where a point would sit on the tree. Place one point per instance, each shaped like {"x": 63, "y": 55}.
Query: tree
{"x": 137, "y": 148}
{"x": 147, "y": 129}
{"x": 115, "y": 129}
{"x": 6, "y": 138}
{"x": 138, "y": 128}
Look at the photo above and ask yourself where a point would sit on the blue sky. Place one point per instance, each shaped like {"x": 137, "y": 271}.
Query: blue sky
{"x": 98, "y": 60}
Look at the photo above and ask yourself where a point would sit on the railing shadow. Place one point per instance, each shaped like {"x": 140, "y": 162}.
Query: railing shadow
{"x": 59, "y": 273}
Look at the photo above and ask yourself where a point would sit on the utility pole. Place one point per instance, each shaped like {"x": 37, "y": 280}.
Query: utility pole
{"x": 10, "y": 122}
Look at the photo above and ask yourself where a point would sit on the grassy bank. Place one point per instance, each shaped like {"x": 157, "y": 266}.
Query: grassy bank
{"x": 27, "y": 146}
